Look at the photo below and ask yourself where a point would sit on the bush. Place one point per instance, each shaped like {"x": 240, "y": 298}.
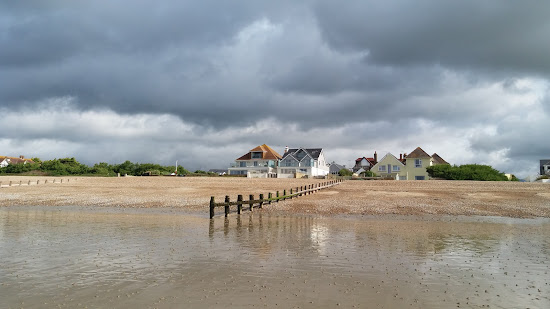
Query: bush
{"x": 466, "y": 172}
{"x": 368, "y": 174}
{"x": 345, "y": 172}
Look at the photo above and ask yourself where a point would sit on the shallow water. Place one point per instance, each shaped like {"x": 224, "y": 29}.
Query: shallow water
{"x": 73, "y": 257}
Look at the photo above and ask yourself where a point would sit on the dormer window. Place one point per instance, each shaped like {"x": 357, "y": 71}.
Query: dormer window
{"x": 257, "y": 155}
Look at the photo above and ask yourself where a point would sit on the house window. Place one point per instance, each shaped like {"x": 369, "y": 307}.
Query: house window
{"x": 382, "y": 168}
{"x": 242, "y": 164}
{"x": 419, "y": 178}
{"x": 256, "y": 155}
{"x": 255, "y": 163}
{"x": 396, "y": 168}
{"x": 417, "y": 163}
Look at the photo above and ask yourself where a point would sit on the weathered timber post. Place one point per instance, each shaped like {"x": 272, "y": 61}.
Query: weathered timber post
{"x": 29, "y": 183}
{"x": 226, "y": 205}
{"x": 239, "y": 203}
{"x": 284, "y": 195}
{"x": 297, "y": 190}
{"x": 261, "y": 201}
{"x": 212, "y": 206}
{"x": 10, "y": 183}
{"x": 61, "y": 180}
{"x": 290, "y": 193}
{"x": 0, "y": 184}
{"x": 251, "y": 197}
{"x": 269, "y": 197}
{"x": 301, "y": 189}
{"x": 277, "y": 197}
{"x": 37, "y": 181}
{"x": 309, "y": 189}
{"x": 46, "y": 181}
{"x": 20, "y": 182}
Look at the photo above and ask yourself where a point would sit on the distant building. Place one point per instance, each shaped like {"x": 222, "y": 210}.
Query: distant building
{"x": 218, "y": 171}
{"x": 334, "y": 168}
{"x": 417, "y": 161}
{"x": 260, "y": 162}
{"x": 390, "y": 167}
{"x": 365, "y": 163}
{"x": 301, "y": 162}
{"x": 5, "y": 161}
{"x": 545, "y": 167}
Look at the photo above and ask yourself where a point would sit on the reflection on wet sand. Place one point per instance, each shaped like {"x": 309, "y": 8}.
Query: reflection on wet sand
{"x": 69, "y": 257}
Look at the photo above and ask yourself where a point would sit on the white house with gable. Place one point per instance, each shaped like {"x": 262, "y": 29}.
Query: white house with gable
{"x": 302, "y": 162}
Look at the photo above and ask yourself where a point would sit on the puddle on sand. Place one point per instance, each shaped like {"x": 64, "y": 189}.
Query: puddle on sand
{"x": 76, "y": 258}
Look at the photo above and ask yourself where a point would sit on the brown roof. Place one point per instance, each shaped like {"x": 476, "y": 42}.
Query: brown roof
{"x": 268, "y": 153}
{"x": 14, "y": 160}
{"x": 418, "y": 153}
{"x": 438, "y": 159}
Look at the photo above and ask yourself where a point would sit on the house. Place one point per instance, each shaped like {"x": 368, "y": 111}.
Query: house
{"x": 545, "y": 167}
{"x": 365, "y": 163}
{"x": 417, "y": 161}
{"x": 218, "y": 171}
{"x": 390, "y": 167}
{"x": 5, "y": 161}
{"x": 334, "y": 169}
{"x": 302, "y": 162}
{"x": 260, "y": 162}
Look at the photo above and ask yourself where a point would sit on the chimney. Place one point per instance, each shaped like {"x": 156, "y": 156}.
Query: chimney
{"x": 400, "y": 156}
{"x": 286, "y": 149}
{"x": 21, "y": 157}
{"x": 375, "y": 158}
{"x": 404, "y": 155}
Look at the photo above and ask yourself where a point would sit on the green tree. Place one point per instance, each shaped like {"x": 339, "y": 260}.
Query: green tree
{"x": 345, "y": 172}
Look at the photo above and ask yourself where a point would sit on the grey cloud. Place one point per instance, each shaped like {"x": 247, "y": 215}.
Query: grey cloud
{"x": 494, "y": 35}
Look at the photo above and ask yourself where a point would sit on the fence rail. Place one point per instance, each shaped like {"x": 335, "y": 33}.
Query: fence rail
{"x": 251, "y": 202}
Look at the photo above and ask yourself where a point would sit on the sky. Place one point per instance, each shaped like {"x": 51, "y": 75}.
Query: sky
{"x": 203, "y": 82}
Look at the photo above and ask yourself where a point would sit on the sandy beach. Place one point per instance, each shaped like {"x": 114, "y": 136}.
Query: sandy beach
{"x": 506, "y": 199}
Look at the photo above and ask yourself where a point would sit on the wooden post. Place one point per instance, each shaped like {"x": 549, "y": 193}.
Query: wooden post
{"x": 269, "y": 197}
{"x": 290, "y": 193}
{"x": 284, "y": 195}
{"x": 212, "y": 206}
{"x": 297, "y": 190}
{"x": 277, "y": 196}
{"x": 29, "y": 183}
{"x": 251, "y": 199}
{"x": 61, "y": 180}
{"x": 239, "y": 203}
{"x": 20, "y": 182}
{"x": 301, "y": 189}
{"x": 10, "y": 183}
{"x": 261, "y": 201}
{"x": 226, "y": 205}
{"x": 37, "y": 181}
{"x": 46, "y": 181}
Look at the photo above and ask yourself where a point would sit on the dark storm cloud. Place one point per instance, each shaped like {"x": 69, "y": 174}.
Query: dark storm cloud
{"x": 494, "y": 35}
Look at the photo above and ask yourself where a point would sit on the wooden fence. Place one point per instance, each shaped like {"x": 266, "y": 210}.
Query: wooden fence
{"x": 12, "y": 183}
{"x": 261, "y": 201}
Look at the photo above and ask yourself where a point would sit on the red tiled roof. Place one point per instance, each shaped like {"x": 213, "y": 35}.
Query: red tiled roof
{"x": 267, "y": 153}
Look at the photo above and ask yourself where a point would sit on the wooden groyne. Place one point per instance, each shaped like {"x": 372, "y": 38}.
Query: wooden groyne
{"x": 12, "y": 183}
{"x": 262, "y": 200}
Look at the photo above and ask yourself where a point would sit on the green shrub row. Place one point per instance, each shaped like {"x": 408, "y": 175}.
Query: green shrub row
{"x": 467, "y": 172}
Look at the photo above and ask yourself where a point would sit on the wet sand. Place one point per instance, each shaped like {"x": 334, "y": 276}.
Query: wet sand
{"x": 507, "y": 199}
{"x": 99, "y": 257}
